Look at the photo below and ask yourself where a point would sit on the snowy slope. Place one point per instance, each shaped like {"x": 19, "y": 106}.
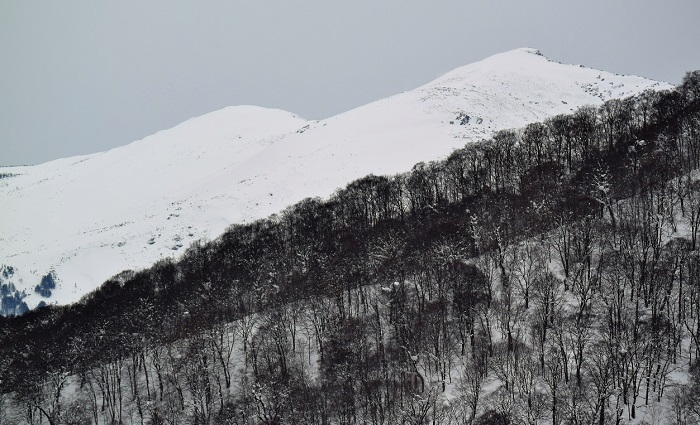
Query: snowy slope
{"x": 87, "y": 218}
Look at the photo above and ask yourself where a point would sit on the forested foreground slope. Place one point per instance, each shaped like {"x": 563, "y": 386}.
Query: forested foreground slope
{"x": 547, "y": 275}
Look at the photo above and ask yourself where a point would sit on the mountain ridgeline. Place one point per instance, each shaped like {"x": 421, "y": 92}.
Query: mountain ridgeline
{"x": 243, "y": 163}
{"x": 547, "y": 274}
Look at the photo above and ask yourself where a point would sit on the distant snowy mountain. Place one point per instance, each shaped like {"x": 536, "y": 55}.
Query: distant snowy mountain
{"x": 81, "y": 220}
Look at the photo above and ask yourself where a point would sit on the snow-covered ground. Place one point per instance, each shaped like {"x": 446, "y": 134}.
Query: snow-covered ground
{"x": 90, "y": 217}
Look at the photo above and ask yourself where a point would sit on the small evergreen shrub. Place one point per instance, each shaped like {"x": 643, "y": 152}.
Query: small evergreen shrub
{"x": 48, "y": 283}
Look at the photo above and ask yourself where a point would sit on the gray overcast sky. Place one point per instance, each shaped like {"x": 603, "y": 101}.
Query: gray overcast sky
{"x": 79, "y": 77}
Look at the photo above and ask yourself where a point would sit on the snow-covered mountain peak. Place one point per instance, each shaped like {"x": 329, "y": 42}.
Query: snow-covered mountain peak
{"x": 517, "y": 61}
{"x": 90, "y": 217}
{"x": 241, "y": 120}
{"x": 528, "y": 66}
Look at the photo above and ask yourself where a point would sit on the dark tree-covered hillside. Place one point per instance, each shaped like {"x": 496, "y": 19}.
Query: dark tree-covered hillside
{"x": 548, "y": 275}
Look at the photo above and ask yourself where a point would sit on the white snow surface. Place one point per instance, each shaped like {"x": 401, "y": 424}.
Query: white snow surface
{"x": 90, "y": 217}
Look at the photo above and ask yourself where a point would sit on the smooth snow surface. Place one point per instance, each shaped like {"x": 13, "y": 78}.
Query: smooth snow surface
{"x": 90, "y": 217}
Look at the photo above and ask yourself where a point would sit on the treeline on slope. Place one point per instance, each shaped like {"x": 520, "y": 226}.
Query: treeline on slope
{"x": 553, "y": 181}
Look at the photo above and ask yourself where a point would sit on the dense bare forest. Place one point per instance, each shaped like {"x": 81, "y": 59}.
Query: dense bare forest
{"x": 548, "y": 275}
